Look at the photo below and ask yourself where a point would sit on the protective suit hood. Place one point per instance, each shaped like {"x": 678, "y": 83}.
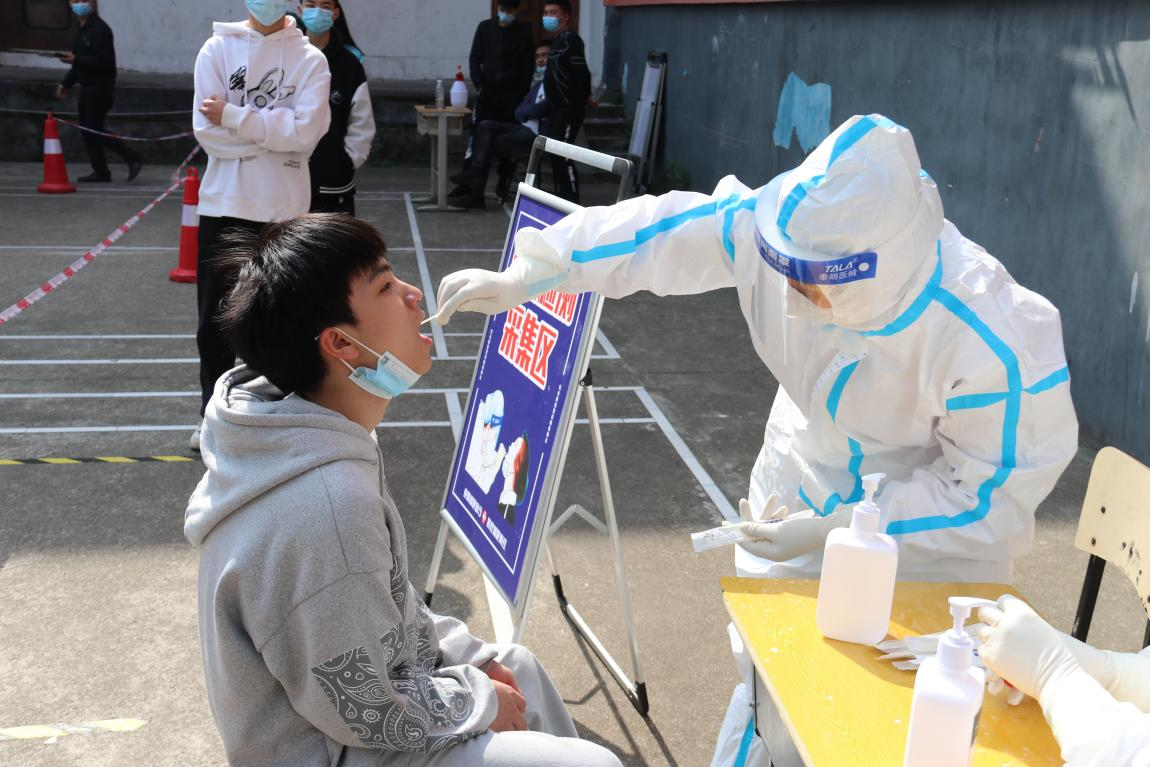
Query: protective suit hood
{"x": 859, "y": 218}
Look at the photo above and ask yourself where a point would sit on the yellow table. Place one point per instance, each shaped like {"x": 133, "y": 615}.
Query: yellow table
{"x": 439, "y": 124}
{"x": 832, "y": 703}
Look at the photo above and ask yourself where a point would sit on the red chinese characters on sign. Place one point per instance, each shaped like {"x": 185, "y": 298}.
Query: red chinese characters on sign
{"x": 527, "y": 343}
{"x": 561, "y": 306}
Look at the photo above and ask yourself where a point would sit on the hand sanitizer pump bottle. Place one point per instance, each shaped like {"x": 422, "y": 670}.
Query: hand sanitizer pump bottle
{"x": 948, "y": 694}
{"x": 857, "y": 583}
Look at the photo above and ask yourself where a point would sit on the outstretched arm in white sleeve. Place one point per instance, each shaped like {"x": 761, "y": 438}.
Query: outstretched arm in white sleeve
{"x": 671, "y": 244}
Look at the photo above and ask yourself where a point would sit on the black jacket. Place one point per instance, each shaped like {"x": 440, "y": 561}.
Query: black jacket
{"x": 330, "y": 166}
{"x": 567, "y": 79}
{"x": 502, "y": 62}
{"x": 95, "y": 52}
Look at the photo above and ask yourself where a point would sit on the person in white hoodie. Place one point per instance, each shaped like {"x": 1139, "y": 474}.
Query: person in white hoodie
{"x": 316, "y": 646}
{"x": 261, "y": 98}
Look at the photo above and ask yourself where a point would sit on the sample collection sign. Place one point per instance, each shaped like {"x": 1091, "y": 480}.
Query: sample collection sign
{"x": 520, "y": 410}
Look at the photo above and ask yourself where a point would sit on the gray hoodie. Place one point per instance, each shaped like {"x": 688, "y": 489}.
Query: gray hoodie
{"x": 317, "y": 649}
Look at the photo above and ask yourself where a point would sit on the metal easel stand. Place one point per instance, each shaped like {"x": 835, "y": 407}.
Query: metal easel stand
{"x": 636, "y": 689}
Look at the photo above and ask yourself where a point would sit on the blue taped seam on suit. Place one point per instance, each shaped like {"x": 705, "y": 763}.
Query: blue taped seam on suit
{"x": 745, "y": 744}
{"x": 844, "y": 142}
{"x": 972, "y": 401}
{"x": 920, "y": 304}
{"x": 649, "y": 232}
{"x": 855, "y": 464}
{"x": 1010, "y": 420}
{"x": 729, "y": 223}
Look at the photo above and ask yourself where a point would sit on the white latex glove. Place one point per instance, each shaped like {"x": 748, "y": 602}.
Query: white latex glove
{"x": 1021, "y": 647}
{"x": 487, "y": 292}
{"x": 780, "y": 537}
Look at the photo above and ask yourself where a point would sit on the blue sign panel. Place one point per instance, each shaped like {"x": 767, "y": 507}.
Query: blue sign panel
{"x": 515, "y": 428}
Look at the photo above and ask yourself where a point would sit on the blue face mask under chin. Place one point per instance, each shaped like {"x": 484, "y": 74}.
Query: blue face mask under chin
{"x": 318, "y": 20}
{"x": 268, "y": 12}
{"x": 551, "y": 23}
{"x": 387, "y": 380}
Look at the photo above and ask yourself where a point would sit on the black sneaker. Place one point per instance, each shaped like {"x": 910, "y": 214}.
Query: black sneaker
{"x": 95, "y": 178}
{"x": 463, "y": 190}
{"x": 470, "y": 202}
{"x": 134, "y": 168}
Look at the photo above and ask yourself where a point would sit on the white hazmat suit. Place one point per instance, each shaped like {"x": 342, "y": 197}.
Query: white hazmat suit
{"x": 931, "y": 364}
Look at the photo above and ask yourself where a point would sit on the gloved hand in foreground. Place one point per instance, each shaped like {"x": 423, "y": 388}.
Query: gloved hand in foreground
{"x": 1091, "y": 727}
{"x": 773, "y": 534}
{"x": 487, "y": 292}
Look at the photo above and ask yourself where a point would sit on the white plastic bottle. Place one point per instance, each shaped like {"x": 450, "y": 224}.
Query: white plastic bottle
{"x": 948, "y": 694}
{"x": 459, "y": 89}
{"x": 439, "y": 94}
{"x": 857, "y": 583}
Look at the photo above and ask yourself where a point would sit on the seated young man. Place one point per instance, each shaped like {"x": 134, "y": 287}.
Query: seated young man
{"x": 317, "y": 649}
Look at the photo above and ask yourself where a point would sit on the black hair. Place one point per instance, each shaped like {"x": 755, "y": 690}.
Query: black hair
{"x": 292, "y": 281}
{"x": 507, "y": 3}
{"x": 343, "y": 29}
{"x": 564, "y": 5}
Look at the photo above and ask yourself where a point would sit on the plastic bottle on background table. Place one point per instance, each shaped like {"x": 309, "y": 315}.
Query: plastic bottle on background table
{"x": 948, "y": 692}
{"x": 459, "y": 89}
{"x": 856, "y": 587}
{"x": 439, "y": 94}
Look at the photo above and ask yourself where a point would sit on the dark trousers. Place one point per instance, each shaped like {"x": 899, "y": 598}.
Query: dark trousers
{"x": 500, "y": 140}
{"x": 95, "y": 103}
{"x": 563, "y": 123}
{"x": 488, "y": 106}
{"x": 333, "y": 203}
{"x": 212, "y": 285}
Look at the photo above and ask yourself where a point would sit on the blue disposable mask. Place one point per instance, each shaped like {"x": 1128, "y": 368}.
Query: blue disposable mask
{"x": 540, "y": 70}
{"x": 505, "y": 18}
{"x": 551, "y": 23}
{"x": 387, "y": 380}
{"x": 83, "y": 10}
{"x": 318, "y": 20}
{"x": 268, "y": 12}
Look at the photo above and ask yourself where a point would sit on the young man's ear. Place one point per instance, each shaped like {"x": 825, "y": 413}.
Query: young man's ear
{"x": 336, "y": 13}
{"x": 336, "y": 346}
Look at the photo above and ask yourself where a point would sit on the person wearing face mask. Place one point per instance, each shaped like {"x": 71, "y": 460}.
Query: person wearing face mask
{"x": 317, "y": 649}
{"x": 346, "y": 145}
{"x": 505, "y": 141}
{"x": 500, "y": 65}
{"x": 568, "y": 84}
{"x": 261, "y": 107}
{"x": 900, "y": 347}
{"x": 93, "y": 60}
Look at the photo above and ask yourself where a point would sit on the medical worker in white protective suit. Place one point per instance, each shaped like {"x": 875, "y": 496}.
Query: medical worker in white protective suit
{"x": 899, "y": 346}
{"x": 1097, "y": 702}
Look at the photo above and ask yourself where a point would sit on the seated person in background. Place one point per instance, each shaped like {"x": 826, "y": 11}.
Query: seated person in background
{"x": 317, "y": 649}
{"x": 1097, "y": 702}
{"x": 503, "y": 140}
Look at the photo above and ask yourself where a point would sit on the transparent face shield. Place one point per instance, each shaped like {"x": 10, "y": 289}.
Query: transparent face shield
{"x": 807, "y": 283}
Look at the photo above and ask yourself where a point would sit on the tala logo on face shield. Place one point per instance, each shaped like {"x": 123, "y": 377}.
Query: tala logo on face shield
{"x": 858, "y": 266}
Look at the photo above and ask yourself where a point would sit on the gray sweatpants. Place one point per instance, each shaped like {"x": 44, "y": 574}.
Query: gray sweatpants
{"x": 551, "y": 740}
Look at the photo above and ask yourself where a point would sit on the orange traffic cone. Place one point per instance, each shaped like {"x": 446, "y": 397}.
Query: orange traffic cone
{"x": 189, "y": 231}
{"x": 55, "y": 173}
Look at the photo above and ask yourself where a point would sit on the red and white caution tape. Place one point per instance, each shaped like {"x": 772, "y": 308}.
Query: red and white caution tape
{"x": 59, "y": 279}
{"x": 170, "y": 137}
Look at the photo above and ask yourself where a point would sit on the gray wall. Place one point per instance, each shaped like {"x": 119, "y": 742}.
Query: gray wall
{"x": 1034, "y": 118}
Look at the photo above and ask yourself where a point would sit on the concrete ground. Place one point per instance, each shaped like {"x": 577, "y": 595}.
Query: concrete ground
{"x": 97, "y": 585}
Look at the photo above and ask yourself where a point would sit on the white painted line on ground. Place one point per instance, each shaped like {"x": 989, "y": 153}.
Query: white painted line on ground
{"x": 704, "y": 479}
{"x": 612, "y": 352}
{"x": 455, "y": 413}
{"x": 425, "y": 276}
{"x": 190, "y": 426}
